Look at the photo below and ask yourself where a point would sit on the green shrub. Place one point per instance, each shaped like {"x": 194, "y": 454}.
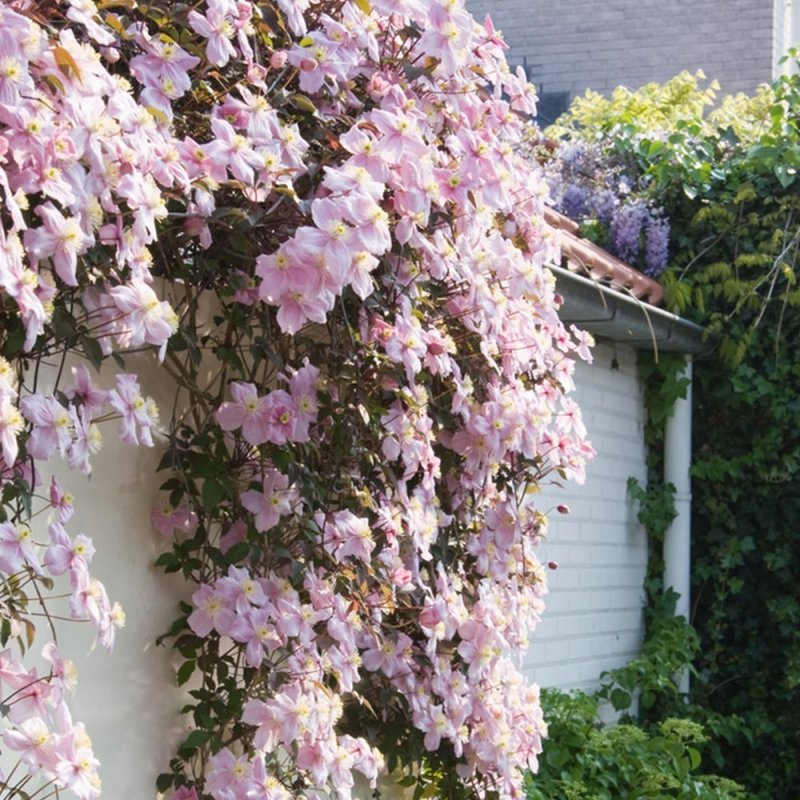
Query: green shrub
{"x": 584, "y": 759}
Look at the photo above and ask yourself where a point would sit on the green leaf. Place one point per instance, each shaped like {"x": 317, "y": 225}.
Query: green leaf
{"x": 620, "y": 699}
{"x": 785, "y": 175}
{"x": 196, "y": 739}
{"x": 93, "y": 351}
{"x": 185, "y": 672}
{"x": 166, "y": 560}
{"x": 15, "y": 340}
{"x": 556, "y": 757}
{"x": 213, "y": 492}
{"x": 237, "y": 553}
{"x": 63, "y": 323}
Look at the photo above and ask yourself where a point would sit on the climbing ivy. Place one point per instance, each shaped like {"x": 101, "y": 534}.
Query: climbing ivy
{"x": 727, "y": 180}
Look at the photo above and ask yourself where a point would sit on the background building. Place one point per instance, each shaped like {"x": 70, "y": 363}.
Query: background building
{"x": 573, "y": 45}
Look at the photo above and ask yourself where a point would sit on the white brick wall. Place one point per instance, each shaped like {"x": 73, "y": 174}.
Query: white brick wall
{"x": 574, "y": 45}
{"x": 593, "y": 619}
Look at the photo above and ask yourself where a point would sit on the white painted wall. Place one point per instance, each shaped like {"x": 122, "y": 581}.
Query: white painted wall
{"x": 593, "y": 620}
{"x": 127, "y": 699}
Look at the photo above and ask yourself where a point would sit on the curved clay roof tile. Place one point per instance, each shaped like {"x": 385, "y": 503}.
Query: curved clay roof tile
{"x": 583, "y": 256}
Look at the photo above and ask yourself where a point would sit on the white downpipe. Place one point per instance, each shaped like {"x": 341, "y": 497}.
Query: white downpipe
{"x": 677, "y": 541}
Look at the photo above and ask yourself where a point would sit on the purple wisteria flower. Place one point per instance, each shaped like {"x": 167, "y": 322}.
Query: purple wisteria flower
{"x": 604, "y": 206}
{"x": 575, "y": 202}
{"x": 626, "y": 230}
{"x": 656, "y": 254}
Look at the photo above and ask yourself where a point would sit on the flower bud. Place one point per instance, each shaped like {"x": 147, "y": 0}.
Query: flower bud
{"x": 278, "y": 59}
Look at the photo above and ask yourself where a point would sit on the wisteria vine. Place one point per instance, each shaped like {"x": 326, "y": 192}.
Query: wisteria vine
{"x": 316, "y": 217}
{"x": 592, "y": 183}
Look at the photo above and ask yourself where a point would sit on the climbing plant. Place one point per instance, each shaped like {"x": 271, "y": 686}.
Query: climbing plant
{"x": 727, "y": 181}
{"x": 315, "y": 218}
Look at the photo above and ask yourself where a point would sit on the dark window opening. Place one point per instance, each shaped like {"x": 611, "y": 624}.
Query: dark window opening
{"x": 550, "y": 107}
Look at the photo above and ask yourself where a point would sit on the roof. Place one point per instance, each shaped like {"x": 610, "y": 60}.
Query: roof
{"x": 613, "y": 301}
{"x": 586, "y": 258}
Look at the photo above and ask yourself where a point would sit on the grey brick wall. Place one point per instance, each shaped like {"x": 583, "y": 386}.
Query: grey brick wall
{"x": 574, "y": 45}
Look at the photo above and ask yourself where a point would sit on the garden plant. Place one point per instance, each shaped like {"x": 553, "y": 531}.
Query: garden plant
{"x": 314, "y": 217}
{"x": 725, "y": 178}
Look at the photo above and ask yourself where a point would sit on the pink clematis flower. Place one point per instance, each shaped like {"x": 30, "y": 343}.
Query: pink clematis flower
{"x": 280, "y": 417}
{"x": 34, "y": 742}
{"x": 84, "y": 12}
{"x": 388, "y": 656}
{"x": 255, "y": 629}
{"x": 63, "y": 554}
{"x": 210, "y": 612}
{"x": 138, "y": 414}
{"x": 51, "y": 426}
{"x": 31, "y": 697}
{"x": 168, "y": 520}
{"x": 240, "y": 591}
{"x": 185, "y": 793}
{"x": 233, "y": 150}
{"x": 145, "y": 317}
{"x": 62, "y": 239}
{"x": 276, "y": 500}
{"x": 303, "y": 388}
{"x": 17, "y": 549}
{"x": 84, "y": 392}
{"x": 11, "y": 425}
{"x": 144, "y": 198}
{"x": 218, "y": 29}
{"x": 76, "y": 766}
{"x": 61, "y": 501}
{"x": 246, "y": 411}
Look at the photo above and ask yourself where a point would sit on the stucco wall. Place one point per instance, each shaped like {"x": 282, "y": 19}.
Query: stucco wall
{"x": 593, "y": 619}
{"x": 574, "y": 45}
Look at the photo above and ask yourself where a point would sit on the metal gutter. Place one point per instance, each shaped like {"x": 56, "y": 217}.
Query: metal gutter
{"x": 608, "y": 314}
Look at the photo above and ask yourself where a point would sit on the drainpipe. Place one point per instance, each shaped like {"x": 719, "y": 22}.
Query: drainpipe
{"x": 677, "y": 541}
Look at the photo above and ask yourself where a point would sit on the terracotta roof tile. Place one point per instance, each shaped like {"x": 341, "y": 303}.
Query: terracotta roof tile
{"x": 585, "y": 257}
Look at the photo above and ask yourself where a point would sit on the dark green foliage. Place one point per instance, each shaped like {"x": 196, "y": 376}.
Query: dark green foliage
{"x": 747, "y": 576}
{"x": 728, "y": 182}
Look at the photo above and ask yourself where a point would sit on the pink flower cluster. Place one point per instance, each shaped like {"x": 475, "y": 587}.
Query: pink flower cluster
{"x": 33, "y": 429}
{"x": 427, "y": 207}
{"x": 379, "y": 141}
{"x": 277, "y": 417}
{"x": 79, "y": 152}
{"x": 41, "y": 733}
{"x": 71, "y": 429}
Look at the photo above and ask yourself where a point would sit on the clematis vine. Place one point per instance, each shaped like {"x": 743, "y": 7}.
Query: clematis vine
{"x": 316, "y": 218}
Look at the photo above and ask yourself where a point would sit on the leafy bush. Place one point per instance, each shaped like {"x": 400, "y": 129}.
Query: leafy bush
{"x": 727, "y": 181}
{"x": 586, "y": 760}
{"x": 657, "y": 749}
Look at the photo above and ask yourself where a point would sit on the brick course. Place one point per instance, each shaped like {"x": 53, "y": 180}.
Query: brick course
{"x": 574, "y": 45}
